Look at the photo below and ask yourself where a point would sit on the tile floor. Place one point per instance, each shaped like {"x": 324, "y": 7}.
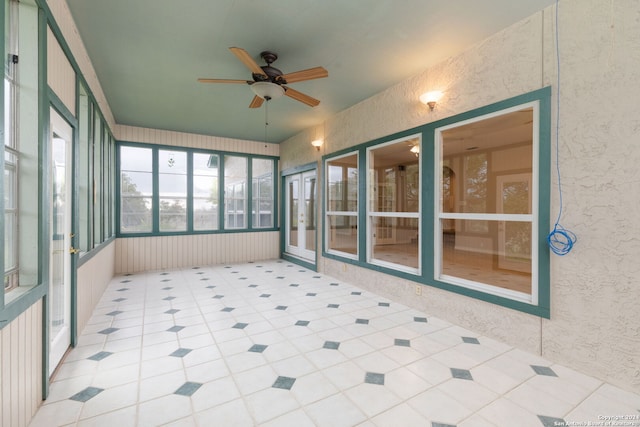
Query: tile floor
{"x": 274, "y": 344}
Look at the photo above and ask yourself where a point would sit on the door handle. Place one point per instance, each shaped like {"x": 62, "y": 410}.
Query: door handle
{"x": 73, "y": 250}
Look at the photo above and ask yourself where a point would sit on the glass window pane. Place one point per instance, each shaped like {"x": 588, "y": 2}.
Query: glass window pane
{"x": 84, "y": 192}
{"x": 262, "y": 207}
{"x": 173, "y": 214}
{"x": 395, "y": 240}
{"x": 97, "y": 181}
{"x": 342, "y": 184}
{"x": 235, "y": 181}
{"x": 475, "y": 153}
{"x": 310, "y": 212}
{"x": 396, "y": 177}
{"x": 500, "y": 258}
{"x": 343, "y": 233}
{"x": 205, "y": 191}
{"x": 172, "y": 189}
{"x": 136, "y": 189}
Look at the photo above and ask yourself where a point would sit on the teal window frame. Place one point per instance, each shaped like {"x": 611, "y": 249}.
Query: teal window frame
{"x": 95, "y": 164}
{"x": 540, "y": 304}
{"x": 220, "y": 228}
{"x": 31, "y": 286}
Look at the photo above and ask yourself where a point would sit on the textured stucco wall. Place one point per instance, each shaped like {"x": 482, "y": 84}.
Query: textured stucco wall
{"x": 595, "y": 322}
{"x": 594, "y": 325}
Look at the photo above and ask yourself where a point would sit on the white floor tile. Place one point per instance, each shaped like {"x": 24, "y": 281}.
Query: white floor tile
{"x": 214, "y": 393}
{"x": 125, "y": 417}
{"x": 401, "y": 415}
{"x": 234, "y": 387}
{"x": 312, "y": 388}
{"x": 372, "y": 399}
{"x": 111, "y": 399}
{"x": 437, "y": 406}
{"x": 265, "y": 405}
{"x": 160, "y": 385}
{"x": 163, "y": 410}
{"x": 296, "y": 418}
{"x": 335, "y": 411}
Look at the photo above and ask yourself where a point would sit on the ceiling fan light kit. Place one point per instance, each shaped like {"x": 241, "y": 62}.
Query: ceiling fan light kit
{"x": 269, "y": 82}
{"x": 267, "y": 90}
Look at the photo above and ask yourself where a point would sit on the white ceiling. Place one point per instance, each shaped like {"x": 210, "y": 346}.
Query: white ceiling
{"x": 149, "y": 53}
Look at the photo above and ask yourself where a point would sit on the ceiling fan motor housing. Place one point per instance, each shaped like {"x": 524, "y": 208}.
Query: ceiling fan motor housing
{"x": 274, "y": 75}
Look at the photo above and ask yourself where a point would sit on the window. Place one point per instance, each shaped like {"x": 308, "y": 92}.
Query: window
{"x": 172, "y": 188}
{"x": 205, "y": 191}
{"x": 342, "y": 205}
{"x": 235, "y": 197}
{"x": 485, "y": 197}
{"x": 11, "y": 148}
{"x": 486, "y": 218}
{"x": 22, "y": 198}
{"x": 178, "y": 191}
{"x": 136, "y": 189}
{"x": 97, "y": 179}
{"x": 84, "y": 161}
{"x": 394, "y": 204}
{"x": 262, "y": 191}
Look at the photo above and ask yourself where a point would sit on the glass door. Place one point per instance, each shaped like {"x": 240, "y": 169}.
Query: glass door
{"x": 301, "y": 210}
{"x": 60, "y": 239}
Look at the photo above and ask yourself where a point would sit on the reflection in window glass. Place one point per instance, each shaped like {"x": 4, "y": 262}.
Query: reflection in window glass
{"x": 136, "y": 189}
{"x": 235, "y": 195}
{"x": 10, "y": 220}
{"x": 262, "y": 191}
{"x": 394, "y": 202}
{"x": 343, "y": 233}
{"x": 310, "y": 212}
{"x": 172, "y": 190}
{"x": 97, "y": 180}
{"x": 205, "y": 191}
{"x": 486, "y": 216}
{"x": 11, "y": 148}
{"x": 294, "y": 196}
{"x": 83, "y": 171}
{"x": 342, "y": 204}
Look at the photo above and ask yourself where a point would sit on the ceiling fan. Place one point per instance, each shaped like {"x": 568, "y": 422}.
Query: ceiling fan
{"x": 269, "y": 82}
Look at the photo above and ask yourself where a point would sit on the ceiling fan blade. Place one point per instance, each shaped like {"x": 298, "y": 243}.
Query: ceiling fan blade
{"x": 310, "y": 74}
{"x": 247, "y": 60}
{"x": 223, "y": 81}
{"x": 256, "y": 102}
{"x": 299, "y": 96}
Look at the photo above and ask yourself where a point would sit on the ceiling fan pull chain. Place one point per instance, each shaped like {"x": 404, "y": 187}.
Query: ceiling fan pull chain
{"x": 266, "y": 119}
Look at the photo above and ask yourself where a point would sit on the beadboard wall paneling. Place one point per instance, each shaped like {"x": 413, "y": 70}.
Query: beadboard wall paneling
{"x": 93, "y": 277}
{"x": 179, "y": 139}
{"x": 21, "y": 368}
{"x": 138, "y": 254}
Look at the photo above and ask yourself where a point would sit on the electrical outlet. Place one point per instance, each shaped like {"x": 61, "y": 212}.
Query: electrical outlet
{"x": 418, "y": 290}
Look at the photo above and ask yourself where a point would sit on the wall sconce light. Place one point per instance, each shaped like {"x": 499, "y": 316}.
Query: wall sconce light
{"x": 430, "y": 98}
{"x": 317, "y": 143}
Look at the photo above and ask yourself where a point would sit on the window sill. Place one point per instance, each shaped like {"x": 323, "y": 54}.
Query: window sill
{"x": 16, "y": 293}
